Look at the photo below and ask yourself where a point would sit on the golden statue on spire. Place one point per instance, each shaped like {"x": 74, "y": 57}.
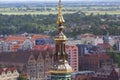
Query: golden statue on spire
{"x": 60, "y": 20}
{"x": 60, "y": 38}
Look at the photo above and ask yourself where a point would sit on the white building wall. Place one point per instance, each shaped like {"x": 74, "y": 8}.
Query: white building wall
{"x": 88, "y": 40}
{"x": 4, "y": 46}
{"x": 9, "y": 75}
{"x": 111, "y": 41}
{"x": 27, "y": 45}
{"x": 98, "y": 40}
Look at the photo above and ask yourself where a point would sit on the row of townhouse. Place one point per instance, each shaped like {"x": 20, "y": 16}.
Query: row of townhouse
{"x": 36, "y": 64}
{"x": 18, "y": 43}
{"x": 9, "y": 73}
{"x": 33, "y": 65}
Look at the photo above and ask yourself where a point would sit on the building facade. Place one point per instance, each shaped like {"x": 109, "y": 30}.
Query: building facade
{"x": 88, "y": 39}
{"x": 4, "y": 46}
{"x": 106, "y": 74}
{"x": 98, "y": 40}
{"x": 94, "y": 61}
{"x": 73, "y": 57}
{"x": 8, "y": 74}
{"x": 34, "y": 64}
{"x": 27, "y": 44}
{"x": 22, "y": 43}
{"x": 82, "y": 49}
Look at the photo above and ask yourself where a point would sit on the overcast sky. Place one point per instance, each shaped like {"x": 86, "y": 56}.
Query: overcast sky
{"x": 49, "y": 0}
{"x": 33, "y": 0}
{"x": 52, "y": 0}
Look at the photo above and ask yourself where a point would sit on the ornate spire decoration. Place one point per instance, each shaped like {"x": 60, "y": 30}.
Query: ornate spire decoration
{"x": 60, "y": 38}
{"x": 60, "y": 20}
{"x": 61, "y": 69}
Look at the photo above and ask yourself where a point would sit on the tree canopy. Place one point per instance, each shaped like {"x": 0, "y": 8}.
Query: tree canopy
{"x": 78, "y": 22}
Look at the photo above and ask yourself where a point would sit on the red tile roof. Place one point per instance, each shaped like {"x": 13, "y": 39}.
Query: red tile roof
{"x": 20, "y": 57}
{"x": 11, "y": 69}
{"x": 87, "y": 35}
{"x": 7, "y": 69}
{"x": 104, "y": 45}
{"x": 15, "y": 38}
{"x": 39, "y": 36}
{"x": 43, "y": 47}
{"x": 98, "y": 56}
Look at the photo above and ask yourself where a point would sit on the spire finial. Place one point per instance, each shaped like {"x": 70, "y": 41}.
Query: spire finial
{"x": 60, "y": 20}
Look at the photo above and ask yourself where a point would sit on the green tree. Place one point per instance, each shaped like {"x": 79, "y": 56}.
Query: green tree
{"x": 21, "y": 78}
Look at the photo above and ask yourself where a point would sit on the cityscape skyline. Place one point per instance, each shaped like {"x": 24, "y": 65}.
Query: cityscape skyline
{"x": 59, "y": 39}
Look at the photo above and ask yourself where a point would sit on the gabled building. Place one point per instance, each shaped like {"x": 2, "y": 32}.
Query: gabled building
{"x": 9, "y": 73}
{"x": 31, "y": 67}
{"x": 39, "y": 65}
{"x": 106, "y": 74}
{"x": 88, "y": 39}
{"x": 27, "y": 44}
{"x": 34, "y": 64}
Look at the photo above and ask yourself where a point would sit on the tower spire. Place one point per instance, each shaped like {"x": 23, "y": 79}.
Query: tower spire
{"x": 61, "y": 69}
{"x": 60, "y": 38}
{"x": 60, "y": 20}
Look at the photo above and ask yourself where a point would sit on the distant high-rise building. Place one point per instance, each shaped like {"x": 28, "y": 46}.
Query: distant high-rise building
{"x": 61, "y": 70}
{"x": 73, "y": 57}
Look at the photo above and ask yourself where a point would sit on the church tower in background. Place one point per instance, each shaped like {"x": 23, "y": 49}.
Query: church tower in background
{"x": 61, "y": 70}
